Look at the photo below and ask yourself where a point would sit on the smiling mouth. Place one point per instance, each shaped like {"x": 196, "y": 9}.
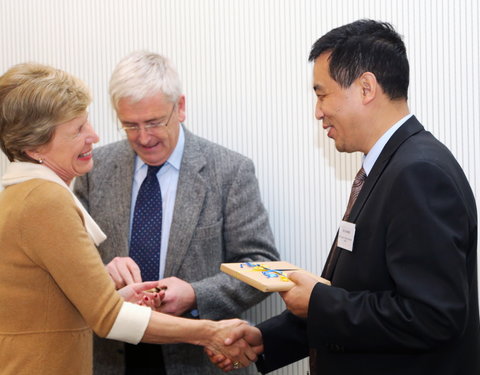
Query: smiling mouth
{"x": 328, "y": 129}
{"x": 85, "y": 154}
{"x": 149, "y": 147}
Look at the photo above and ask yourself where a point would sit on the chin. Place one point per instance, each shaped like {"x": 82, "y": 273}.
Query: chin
{"x": 150, "y": 160}
{"x": 339, "y": 148}
{"x": 85, "y": 169}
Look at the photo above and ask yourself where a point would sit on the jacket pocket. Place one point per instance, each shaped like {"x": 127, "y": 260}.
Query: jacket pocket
{"x": 209, "y": 231}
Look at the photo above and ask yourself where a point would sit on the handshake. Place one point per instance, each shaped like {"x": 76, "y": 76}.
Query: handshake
{"x": 230, "y": 344}
{"x": 242, "y": 343}
{"x": 236, "y": 344}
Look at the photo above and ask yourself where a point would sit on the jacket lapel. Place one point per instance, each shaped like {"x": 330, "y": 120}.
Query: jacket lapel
{"x": 411, "y": 127}
{"x": 191, "y": 191}
{"x": 117, "y": 182}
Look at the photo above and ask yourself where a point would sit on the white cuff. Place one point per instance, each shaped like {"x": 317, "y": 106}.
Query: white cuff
{"x": 131, "y": 323}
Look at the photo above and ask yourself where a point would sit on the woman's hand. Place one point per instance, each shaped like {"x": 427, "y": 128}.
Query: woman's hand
{"x": 144, "y": 294}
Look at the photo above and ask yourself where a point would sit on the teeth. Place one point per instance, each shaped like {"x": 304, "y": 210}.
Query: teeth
{"x": 85, "y": 154}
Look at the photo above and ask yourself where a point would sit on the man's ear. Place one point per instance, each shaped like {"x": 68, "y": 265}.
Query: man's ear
{"x": 369, "y": 87}
{"x": 181, "y": 109}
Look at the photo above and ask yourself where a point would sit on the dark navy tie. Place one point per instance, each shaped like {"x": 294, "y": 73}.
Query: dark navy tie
{"x": 146, "y": 234}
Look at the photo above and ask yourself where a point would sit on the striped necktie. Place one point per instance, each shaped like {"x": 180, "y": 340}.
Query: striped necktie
{"x": 335, "y": 251}
{"x": 356, "y": 187}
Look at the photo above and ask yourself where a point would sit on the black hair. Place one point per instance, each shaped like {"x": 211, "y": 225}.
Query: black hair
{"x": 366, "y": 46}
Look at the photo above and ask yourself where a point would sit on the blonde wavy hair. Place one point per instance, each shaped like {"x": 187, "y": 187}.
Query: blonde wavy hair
{"x": 34, "y": 99}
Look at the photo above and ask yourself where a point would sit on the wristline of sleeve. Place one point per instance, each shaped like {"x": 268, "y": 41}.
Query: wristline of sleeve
{"x": 131, "y": 323}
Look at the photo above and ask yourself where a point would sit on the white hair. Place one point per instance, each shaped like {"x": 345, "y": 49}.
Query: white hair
{"x": 142, "y": 74}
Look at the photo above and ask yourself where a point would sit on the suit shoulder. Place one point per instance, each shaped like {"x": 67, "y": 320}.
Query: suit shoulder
{"x": 424, "y": 158}
{"x": 104, "y": 155}
{"x": 214, "y": 151}
{"x": 111, "y": 149}
{"x": 425, "y": 148}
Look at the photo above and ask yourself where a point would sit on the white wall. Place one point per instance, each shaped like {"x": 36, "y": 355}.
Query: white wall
{"x": 248, "y": 87}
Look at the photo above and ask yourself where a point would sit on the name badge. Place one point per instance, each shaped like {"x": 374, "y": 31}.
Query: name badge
{"x": 346, "y": 234}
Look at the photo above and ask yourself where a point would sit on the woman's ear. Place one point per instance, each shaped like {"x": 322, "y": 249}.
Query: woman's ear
{"x": 34, "y": 154}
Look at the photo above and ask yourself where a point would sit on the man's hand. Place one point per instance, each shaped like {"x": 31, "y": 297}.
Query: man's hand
{"x": 298, "y": 298}
{"x": 241, "y": 345}
{"x": 179, "y": 296}
{"x": 239, "y": 335}
{"x": 123, "y": 271}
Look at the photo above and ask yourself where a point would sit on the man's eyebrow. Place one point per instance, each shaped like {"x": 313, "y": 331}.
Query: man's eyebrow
{"x": 158, "y": 118}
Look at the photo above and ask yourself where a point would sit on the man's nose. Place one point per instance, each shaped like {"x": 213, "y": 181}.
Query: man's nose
{"x": 318, "y": 112}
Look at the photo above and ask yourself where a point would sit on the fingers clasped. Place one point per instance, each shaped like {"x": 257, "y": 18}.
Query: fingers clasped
{"x": 241, "y": 345}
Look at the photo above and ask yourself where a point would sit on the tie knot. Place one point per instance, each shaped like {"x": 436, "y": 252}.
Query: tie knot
{"x": 153, "y": 170}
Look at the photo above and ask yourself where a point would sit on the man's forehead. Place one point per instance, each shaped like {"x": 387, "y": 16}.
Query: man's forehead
{"x": 321, "y": 78}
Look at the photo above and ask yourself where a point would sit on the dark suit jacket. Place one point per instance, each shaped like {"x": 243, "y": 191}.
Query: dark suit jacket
{"x": 405, "y": 300}
{"x": 218, "y": 217}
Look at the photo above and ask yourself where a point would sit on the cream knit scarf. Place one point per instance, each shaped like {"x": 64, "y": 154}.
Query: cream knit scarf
{"x": 18, "y": 172}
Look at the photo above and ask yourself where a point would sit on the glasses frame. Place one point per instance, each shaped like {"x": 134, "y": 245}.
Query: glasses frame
{"x": 148, "y": 127}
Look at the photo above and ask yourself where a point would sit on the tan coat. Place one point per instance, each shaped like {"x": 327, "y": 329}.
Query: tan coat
{"x": 53, "y": 286}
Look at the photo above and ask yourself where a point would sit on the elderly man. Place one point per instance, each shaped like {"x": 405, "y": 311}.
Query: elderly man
{"x": 174, "y": 206}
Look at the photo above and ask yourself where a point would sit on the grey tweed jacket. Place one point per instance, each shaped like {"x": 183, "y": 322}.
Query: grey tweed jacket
{"x": 218, "y": 217}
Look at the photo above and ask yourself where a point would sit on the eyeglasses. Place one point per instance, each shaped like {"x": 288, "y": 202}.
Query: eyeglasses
{"x": 150, "y": 126}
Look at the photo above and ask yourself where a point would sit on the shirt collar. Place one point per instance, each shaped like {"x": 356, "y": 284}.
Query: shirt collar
{"x": 175, "y": 158}
{"x": 372, "y": 156}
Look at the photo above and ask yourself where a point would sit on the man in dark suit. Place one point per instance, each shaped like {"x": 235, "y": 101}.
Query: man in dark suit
{"x": 403, "y": 269}
{"x": 211, "y": 213}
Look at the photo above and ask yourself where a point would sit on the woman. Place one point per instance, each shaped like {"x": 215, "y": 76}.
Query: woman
{"x": 53, "y": 286}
